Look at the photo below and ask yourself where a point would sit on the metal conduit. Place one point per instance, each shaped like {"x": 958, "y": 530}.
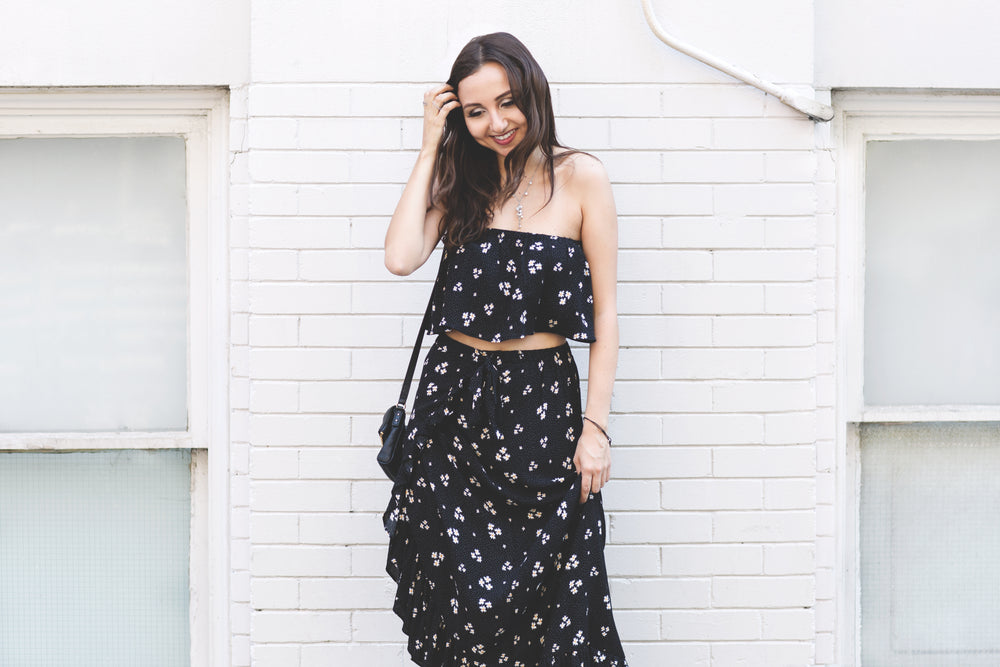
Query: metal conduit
{"x": 810, "y": 107}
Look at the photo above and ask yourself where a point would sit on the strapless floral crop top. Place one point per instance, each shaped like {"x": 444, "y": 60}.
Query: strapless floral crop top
{"x": 510, "y": 284}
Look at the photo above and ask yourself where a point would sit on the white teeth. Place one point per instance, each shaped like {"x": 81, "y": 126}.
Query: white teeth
{"x": 505, "y": 136}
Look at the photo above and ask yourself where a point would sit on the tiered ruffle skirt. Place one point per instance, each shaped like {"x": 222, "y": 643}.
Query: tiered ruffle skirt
{"x": 497, "y": 562}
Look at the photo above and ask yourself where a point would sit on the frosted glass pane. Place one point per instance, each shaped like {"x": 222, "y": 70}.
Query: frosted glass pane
{"x": 930, "y": 544}
{"x": 93, "y": 284}
{"x": 94, "y": 557}
{"x": 932, "y": 275}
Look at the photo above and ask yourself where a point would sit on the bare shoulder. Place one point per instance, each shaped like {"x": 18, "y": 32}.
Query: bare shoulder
{"x": 582, "y": 171}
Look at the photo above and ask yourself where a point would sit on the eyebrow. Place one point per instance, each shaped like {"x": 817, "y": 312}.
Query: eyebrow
{"x": 495, "y": 99}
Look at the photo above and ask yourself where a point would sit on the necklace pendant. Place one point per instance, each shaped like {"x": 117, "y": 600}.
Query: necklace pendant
{"x": 519, "y": 199}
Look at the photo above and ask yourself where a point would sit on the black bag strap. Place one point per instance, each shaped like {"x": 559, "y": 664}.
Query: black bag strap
{"x": 405, "y": 391}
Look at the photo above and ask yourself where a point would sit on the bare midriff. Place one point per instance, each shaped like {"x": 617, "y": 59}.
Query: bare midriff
{"x": 536, "y": 341}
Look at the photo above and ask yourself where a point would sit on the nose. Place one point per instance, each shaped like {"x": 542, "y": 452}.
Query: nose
{"x": 497, "y": 122}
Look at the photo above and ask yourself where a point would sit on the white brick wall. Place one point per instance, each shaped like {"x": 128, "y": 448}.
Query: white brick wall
{"x": 824, "y": 424}
{"x": 241, "y": 389}
{"x": 723, "y": 511}
{"x": 712, "y": 511}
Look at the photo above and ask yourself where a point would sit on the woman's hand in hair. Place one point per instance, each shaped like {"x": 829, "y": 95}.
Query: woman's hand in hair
{"x": 438, "y": 103}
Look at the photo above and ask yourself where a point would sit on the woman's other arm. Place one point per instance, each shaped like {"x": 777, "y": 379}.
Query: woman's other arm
{"x": 600, "y": 243}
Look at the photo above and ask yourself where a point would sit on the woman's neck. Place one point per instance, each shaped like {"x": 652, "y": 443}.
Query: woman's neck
{"x": 531, "y": 166}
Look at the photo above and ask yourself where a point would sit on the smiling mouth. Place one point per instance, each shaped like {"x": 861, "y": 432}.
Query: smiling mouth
{"x": 504, "y": 138}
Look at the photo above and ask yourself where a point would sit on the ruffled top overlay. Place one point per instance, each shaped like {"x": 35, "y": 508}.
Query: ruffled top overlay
{"x": 510, "y": 284}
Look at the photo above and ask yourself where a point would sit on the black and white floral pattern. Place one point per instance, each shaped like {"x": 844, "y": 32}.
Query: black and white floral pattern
{"x": 497, "y": 562}
{"x": 520, "y": 282}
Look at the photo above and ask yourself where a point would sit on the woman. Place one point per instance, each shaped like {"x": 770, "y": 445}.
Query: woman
{"x": 497, "y": 527}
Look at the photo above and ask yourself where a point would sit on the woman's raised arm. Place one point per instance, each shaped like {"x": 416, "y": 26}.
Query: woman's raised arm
{"x": 413, "y": 229}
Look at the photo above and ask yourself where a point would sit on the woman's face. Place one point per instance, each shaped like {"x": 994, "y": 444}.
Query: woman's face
{"x": 491, "y": 116}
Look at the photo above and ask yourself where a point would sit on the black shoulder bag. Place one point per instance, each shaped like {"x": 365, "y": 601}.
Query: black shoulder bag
{"x": 392, "y": 432}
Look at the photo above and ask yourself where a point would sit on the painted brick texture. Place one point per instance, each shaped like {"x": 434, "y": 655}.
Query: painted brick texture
{"x": 728, "y": 540}
{"x": 716, "y": 482}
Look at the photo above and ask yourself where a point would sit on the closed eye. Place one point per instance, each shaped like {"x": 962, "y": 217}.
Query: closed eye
{"x": 476, "y": 112}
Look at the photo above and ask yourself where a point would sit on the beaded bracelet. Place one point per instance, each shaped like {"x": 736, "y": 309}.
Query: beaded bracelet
{"x": 603, "y": 432}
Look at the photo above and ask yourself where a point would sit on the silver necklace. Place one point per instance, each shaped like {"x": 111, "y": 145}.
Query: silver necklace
{"x": 519, "y": 198}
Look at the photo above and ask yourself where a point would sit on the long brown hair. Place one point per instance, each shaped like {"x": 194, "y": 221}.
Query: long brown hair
{"x": 466, "y": 174}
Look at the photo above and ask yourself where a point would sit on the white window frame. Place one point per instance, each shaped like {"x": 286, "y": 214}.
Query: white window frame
{"x": 201, "y": 118}
{"x": 862, "y": 116}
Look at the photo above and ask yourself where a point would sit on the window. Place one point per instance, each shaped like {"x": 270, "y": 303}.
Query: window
{"x": 93, "y": 284}
{"x": 930, "y": 507}
{"x": 932, "y": 279}
{"x": 113, "y": 412}
{"x": 920, "y": 354}
{"x": 94, "y": 558}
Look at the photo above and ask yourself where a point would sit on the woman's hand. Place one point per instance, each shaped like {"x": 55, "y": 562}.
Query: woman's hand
{"x": 438, "y": 103}
{"x": 592, "y": 460}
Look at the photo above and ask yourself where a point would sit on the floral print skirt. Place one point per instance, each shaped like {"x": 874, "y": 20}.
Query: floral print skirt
{"x": 497, "y": 562}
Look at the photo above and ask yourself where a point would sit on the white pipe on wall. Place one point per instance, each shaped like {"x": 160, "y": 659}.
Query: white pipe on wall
{"x": 815, "y": 110}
